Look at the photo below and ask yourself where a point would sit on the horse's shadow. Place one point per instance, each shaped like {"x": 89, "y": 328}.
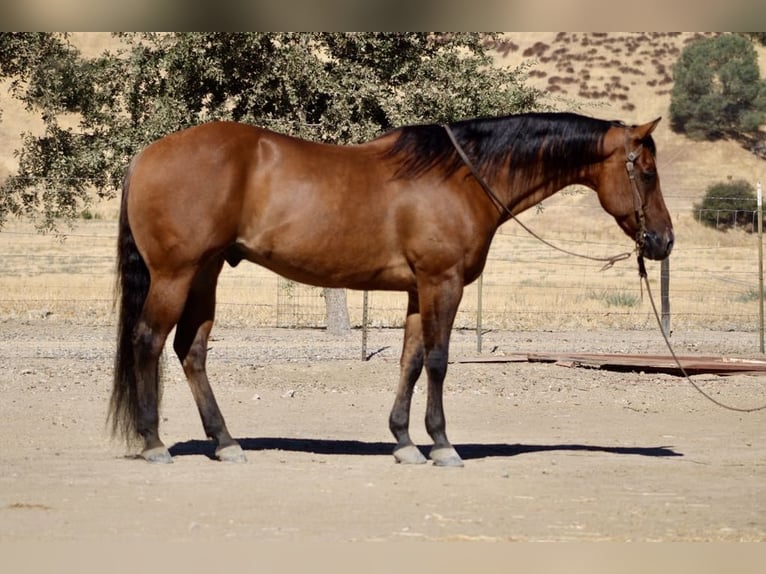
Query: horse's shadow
{"x": 467, "y": 451}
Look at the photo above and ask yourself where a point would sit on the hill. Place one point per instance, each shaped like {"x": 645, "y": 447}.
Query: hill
{"x": 626, "y": 76}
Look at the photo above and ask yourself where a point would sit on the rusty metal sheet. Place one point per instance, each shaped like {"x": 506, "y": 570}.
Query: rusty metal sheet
{"x": 692, "y": 364}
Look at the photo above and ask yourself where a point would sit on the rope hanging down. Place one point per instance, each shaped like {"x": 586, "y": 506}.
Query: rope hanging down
{"x": 508, "y": 214}
{"x": 644, "y": 278}
{"x": 609, "y": 261}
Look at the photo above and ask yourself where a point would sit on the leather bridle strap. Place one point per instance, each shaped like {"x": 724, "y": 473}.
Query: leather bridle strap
{"x": 638, "y": 203}
{"x": 506, "y": 213}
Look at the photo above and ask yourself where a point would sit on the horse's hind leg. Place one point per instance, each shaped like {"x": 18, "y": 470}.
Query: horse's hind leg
{"x": 411, "y": 365}
{"x": 161, "y": 310}
{"x": 190, "y": 345}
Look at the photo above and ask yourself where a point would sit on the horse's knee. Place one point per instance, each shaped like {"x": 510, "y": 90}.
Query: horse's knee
{"x": 436, "y": 365}
{"x": 411, "y": 367}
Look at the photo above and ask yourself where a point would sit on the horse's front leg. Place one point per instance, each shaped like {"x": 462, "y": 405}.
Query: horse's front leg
{"x": 438, "y": 307}
{"x": 411, "y": 365}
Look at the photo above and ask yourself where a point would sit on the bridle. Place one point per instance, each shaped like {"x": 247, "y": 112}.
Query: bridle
{"x": 506, "y": 213}
{"x": 638, "y": 203}
{"x": 638, "y": 207}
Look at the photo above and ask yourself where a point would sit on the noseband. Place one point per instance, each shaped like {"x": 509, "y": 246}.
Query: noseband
{"x": 638, "y": 203}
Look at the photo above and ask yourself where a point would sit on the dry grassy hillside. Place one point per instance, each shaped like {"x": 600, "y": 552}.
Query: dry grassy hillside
{"x": 628, "y": 76}
{"x": 625, "y": 76}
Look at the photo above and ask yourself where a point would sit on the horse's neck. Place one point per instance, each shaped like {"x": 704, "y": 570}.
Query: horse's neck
{"x": 525, "y": 190}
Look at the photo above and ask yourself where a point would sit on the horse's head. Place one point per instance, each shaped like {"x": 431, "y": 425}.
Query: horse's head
{"x": 628, "y": 188}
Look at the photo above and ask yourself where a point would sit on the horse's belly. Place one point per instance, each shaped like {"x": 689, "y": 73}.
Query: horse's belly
{"x": 324, "y": 267}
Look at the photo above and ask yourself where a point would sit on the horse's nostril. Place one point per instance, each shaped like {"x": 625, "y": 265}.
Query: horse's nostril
{"x": 656, "y": 245}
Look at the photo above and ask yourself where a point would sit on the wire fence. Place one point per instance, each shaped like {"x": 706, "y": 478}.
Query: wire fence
{"x": 526, "y": 285}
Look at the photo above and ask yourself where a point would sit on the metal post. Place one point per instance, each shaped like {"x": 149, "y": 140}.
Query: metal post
{"x": 479, "y": 286}
{"x": 365, "y": 307}
{"x": 665, "y": 295}
{"x": 759, "y": 193}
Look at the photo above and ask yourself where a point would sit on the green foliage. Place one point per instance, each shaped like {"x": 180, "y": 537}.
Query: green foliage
{"x": 718, "y": 91}
{"x": 333, "y": 87}
{"x": 616, "y": 298}
{"x": 750, "y": 296}
{"x": 726, "y": 205}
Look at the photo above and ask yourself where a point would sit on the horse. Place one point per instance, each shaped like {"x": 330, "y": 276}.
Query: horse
{"x": 413, "y": 210}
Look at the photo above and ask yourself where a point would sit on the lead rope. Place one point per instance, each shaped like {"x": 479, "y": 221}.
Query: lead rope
{"x": 644, "y": 278}
{"x": 610, "y": 261}
{"x": 631, "y": 157}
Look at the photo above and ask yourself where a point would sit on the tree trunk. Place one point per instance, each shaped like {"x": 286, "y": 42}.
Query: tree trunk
{"x": 338, "y": 322}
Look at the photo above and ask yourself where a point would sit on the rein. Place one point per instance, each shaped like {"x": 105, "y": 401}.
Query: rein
{"x": 678, "y": 362}
{"x": 631, "y": 157}
{"x": 508, "y": 214}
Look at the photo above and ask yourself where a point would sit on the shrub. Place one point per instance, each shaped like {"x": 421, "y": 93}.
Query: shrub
{"x": 726, "y": 205}
{"x": 616, "y": 298}
{"x": 718, "y": 91}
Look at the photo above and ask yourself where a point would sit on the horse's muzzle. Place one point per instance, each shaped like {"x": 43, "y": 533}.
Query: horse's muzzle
{"x": 657, "y": 245}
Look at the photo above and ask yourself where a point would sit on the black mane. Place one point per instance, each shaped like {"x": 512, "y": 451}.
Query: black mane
{"x": 554, "y": 143}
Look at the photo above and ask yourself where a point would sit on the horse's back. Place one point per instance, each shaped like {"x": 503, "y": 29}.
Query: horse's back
{"x": 205, "y": 188}
{"x": 224, "y": 149}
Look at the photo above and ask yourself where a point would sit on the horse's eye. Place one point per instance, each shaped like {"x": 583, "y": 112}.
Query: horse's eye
{"x": 648, "y": 176}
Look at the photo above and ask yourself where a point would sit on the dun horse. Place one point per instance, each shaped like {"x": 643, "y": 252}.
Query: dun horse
{"x": 414, "y": 210}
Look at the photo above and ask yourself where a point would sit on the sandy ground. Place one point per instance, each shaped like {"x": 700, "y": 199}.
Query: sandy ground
{"x": 552, "y": 453}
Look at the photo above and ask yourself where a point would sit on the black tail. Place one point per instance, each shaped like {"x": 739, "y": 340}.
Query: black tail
{"x": 131, "y": 289}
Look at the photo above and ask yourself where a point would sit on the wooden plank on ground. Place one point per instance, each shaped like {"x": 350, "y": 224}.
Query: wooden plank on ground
{"x": 692, "y": 364}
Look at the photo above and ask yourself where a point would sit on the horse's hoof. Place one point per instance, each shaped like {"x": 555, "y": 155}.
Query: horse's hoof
{"x": 445, "y": 456}
{"x": 231, "y": 453}
{"x": 409, "y": 454}
{"x": 157, "y": 455}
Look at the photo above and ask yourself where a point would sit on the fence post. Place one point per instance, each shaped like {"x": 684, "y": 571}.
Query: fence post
{"x": 479, "y": 285}
{"x": 759, "y": 197}
{"x": 365, "y": 308}
{"x": 665, "y": 295}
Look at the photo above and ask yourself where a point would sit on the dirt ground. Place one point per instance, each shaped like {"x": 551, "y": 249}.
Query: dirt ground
{"x": 552, "y": 453}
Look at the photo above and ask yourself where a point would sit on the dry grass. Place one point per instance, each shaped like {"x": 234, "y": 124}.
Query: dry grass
{"x": 635, "y": 65}
{"x": 526, "y": 285}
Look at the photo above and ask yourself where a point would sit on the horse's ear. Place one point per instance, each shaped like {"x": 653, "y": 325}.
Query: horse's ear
{"x": 643, "y": 131}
